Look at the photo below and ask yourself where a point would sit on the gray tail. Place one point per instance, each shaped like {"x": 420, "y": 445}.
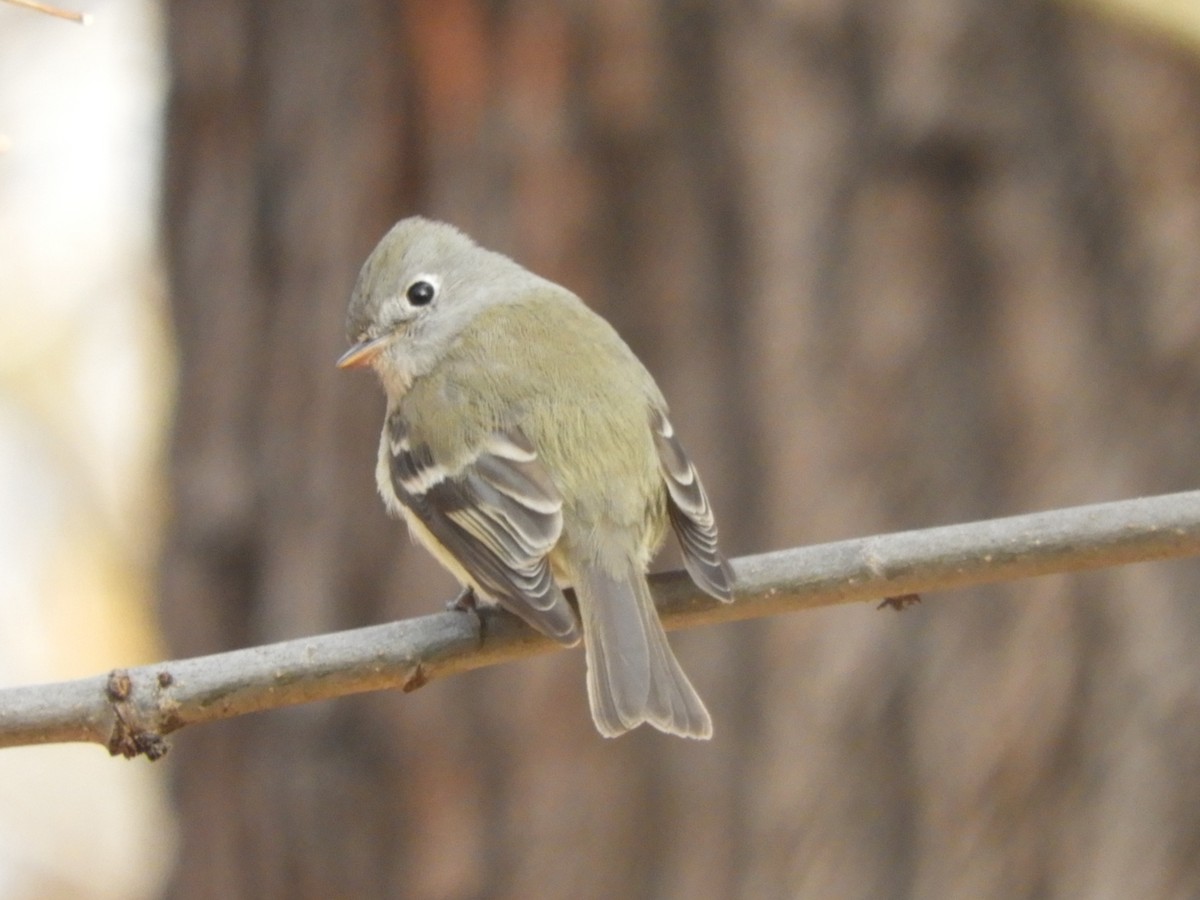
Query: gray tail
{"x": 633, "y": 677}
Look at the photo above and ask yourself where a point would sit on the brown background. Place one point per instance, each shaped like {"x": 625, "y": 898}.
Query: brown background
{"x": 896, "y": 264}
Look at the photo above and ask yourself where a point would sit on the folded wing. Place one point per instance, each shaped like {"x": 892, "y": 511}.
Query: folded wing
{"x": 690, "y": 512}
{"x": 499, "y": 516}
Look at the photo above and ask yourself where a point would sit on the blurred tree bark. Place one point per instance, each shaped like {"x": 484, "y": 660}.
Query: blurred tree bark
{"x": 895, "y": 265}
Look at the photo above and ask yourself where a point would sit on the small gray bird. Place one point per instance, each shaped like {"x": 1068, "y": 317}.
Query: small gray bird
{"x": 529, "y": 450}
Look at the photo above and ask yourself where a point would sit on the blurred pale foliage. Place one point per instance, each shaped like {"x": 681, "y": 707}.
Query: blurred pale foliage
{"x": 84, "y": 383}
{"x": 1179, "y": 19}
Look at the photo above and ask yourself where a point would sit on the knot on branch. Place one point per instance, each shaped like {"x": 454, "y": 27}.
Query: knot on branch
{"x": 130, "y": 737}
{"x": 417, "y": 679}
{"x": 900, "y": 602}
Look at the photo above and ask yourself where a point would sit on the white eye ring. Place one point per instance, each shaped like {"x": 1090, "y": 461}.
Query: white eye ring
{"x": 422, "y": 290}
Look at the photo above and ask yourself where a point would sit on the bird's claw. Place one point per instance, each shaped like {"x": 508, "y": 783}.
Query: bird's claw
{"x": 468, "y": 602}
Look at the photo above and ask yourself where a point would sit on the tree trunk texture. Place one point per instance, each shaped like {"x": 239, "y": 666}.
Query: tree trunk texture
{"x": 895, "y": 264}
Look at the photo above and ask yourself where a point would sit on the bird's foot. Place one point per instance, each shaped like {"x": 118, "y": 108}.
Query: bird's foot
{"x": 468, "y": 602}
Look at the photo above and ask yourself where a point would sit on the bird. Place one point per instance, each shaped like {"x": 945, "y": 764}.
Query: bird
{"x": 530, "y": 451}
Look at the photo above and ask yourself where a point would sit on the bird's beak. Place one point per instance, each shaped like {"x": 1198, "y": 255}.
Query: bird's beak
{"x": 363, "y": 353}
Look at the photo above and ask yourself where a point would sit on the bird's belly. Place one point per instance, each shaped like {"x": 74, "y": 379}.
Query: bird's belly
{"x": 425, "y": 538}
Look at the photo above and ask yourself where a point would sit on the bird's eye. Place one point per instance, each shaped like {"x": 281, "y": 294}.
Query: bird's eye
{"x": 420, "y": 293}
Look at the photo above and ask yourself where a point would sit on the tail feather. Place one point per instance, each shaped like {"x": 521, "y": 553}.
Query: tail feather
{"x": 633, "y": 676}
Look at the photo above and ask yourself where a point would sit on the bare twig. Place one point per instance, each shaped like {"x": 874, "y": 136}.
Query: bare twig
{"x": 130, "y": 711}
{"x": 57, "y": 12}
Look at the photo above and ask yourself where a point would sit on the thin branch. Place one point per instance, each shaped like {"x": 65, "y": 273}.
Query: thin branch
{"x": 130, "y": 711}
{"x": 58, "y": 13}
